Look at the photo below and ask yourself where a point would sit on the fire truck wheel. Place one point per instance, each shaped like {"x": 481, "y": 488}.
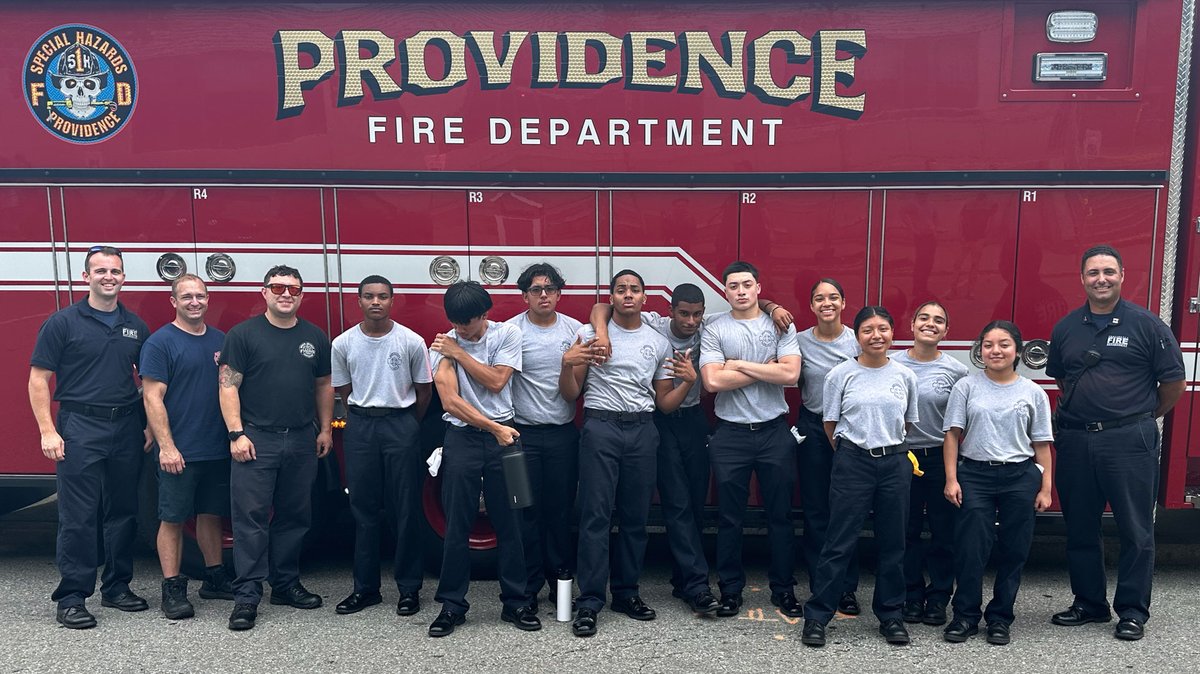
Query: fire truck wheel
{"x": 481, "y": 542}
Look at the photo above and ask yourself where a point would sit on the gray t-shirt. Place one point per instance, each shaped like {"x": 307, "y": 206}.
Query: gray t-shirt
{"x": 625, "y": 382}
{"x": 871, "y": 404}
{"x": 935, "y": 379}
{"x": 819, "y": 358}
{"x": 381, "y": 370}
{"x": 999, "y": 421}
{"x": 662, "y": 325}
{"x": 500, "y": 345}
{"x": 536, "y": 398}
{"x": 755, "y": 340}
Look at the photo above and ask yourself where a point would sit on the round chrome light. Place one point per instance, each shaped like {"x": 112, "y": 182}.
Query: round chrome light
{"x": 977, "y": 355}
{"x": 170, "y": 267}
{"x": 444, "y": 270}
{"x": 220, "y": 267}
{"x": 1036, "y": 353}
{"x": 493, "y": 270}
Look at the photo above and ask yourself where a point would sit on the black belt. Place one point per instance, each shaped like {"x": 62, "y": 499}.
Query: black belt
{"x": 378, "y": 411}
{"x": 1097, "y": 426}
{"x": 469, "y": 427}
{"x": 926, "y": 451}
{"x": 756, "y": 426}
{"x": 877, "y": 452}
{"x": 109, "y": 413}
{"x": 681, "y": 412}
{"x": 277, "y": 429}
{"x": 623, "y": 417}
{"x": 996, "y": 463}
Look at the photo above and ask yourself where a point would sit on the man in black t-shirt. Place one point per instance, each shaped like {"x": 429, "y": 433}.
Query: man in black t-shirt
{"x": 274, "y": 382}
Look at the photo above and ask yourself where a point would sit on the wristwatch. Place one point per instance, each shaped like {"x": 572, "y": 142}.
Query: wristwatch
{"x": 234, "y": 435}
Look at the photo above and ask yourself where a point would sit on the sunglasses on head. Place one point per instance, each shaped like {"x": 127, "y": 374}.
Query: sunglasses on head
{"x": 97, "y": 249}
{"x": 279, "y": 288}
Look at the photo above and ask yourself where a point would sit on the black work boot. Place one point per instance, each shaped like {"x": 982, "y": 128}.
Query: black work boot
{"x": 217, "y": 584}
{"x": 175, "y": 604}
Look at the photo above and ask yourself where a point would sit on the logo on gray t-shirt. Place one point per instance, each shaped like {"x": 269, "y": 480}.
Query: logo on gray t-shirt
{"x": 394, "y": 361}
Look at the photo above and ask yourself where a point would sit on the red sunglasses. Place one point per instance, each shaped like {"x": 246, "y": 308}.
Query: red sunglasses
{"x": 279, "y": 288}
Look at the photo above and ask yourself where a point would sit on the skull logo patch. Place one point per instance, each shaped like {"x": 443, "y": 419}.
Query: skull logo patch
{"x": 80, "y": 84}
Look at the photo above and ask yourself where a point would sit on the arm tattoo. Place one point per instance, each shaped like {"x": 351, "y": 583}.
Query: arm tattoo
{"x": 229, "y": 377}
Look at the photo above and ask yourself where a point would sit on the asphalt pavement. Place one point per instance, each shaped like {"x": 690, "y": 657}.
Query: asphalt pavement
{"x": 377, "y": 640}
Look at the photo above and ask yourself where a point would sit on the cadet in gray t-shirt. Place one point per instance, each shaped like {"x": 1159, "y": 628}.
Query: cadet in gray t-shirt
{"x": 617, "y": 449}
{"x": 548, "y": 434}
{"x": 935, "y": 379}
{"x": 747, "y": 362}
{"x": 1000, "y": 422}
{"x": 819, "y": 358}
{"x": 870, "y": 405}
{"x": 997, "y": 461}
{"x": 381, "y": 369}
{"x": 473, "y": 365}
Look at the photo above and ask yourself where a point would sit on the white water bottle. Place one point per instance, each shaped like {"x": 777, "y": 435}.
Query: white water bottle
{"x": 562, "y": 598}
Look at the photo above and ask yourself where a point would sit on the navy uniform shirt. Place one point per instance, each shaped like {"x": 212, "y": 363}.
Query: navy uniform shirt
{"x": 93, "y": 364}
{"x": 1137, "y": 351}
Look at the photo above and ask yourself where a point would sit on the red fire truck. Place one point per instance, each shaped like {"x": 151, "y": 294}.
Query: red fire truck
{"x": 964, "y": 150}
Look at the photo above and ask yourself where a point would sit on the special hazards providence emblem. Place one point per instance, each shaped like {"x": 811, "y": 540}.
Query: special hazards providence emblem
{"x": 80, "y": 83}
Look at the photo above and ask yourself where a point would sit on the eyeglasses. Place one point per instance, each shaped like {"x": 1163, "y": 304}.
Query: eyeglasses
{"x": 538, "y": 290}
{"x": 279, "y": 288}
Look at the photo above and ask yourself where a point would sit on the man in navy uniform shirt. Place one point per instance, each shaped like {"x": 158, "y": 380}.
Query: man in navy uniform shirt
{"x": 1119, "y": 368}
{"x": 92, "y": 348}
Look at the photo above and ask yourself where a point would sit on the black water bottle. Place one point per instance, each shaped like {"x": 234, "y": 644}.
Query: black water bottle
{"x": 516, "y": 476}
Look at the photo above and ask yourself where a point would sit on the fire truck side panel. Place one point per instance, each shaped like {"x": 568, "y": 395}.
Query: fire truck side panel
{"x": 28, "y": 297}
{"x": 528, "y": 226}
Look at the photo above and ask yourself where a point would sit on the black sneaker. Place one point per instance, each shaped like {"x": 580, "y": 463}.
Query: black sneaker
{"x": 217, "y": 584}
{"x": 175, "y": 604}
{"x": 731, "y": 605}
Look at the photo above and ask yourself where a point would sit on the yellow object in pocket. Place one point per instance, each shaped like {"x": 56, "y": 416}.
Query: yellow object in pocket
{"x": 912, "y": 458}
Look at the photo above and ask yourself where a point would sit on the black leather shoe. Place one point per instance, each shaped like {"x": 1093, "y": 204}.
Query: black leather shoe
{"x": 813, "y": 633}
{"x": 959, "y": 631}
{"x": 788, "y": 604}
{"x": 1129, "y": 629}
{"x": 357, "y": 601}
{"x": 731, "y": 605}
{"x": 126, "y": 601}
{"x": 634, "y": 607}
{"x": 585, "y": 623}
{"x": 1075, "y": 616}
{"x": 913, "y": 611}
{"x": 75, "y": 617}
{"x": 522, "y": 617}
{"x": 998, "y": 634}
{"x": 703, "y": 602}
{"x": 296, "y": 597}
{"x": 409, "y": 604}
{"x": 243, "y": 617}
{"x": 848, "y": 604}
{"x": 445, "y": 622}
{"x": 935, "y": 613}
{"x": 894, "y": 632}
